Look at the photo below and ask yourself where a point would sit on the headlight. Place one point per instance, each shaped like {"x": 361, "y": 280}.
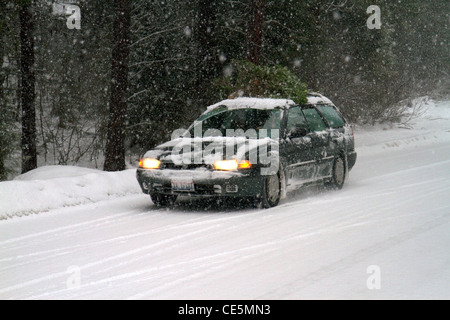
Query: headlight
{"x": 227, "y": 165}
{"x": 245, "y": 164}
{"x": 231, "y": 165}
{"x": 148, "y": 163}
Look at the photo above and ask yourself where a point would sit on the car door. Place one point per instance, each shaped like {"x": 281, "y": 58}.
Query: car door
{"x": 320, "y": 139}
{"x": 336, "y": 124}
{"x": 298, "y": 151}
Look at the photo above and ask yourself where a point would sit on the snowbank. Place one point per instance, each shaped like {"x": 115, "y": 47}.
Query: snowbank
{"x": 55, "y": 172}
{"x": 427, "y": 126}
{"x": 54, "y": 187}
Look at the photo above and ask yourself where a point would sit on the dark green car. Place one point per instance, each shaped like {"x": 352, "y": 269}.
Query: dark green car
{"x": 252, "y": 148}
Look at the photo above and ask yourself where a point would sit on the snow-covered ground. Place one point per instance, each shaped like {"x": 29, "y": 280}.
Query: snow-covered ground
{"x": 72, "y": 233}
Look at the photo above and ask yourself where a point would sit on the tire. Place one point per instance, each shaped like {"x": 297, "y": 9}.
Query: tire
{"x": 338, "y": 174}
{"x": 161, "y": 200}
{"x": 272, "y": 192}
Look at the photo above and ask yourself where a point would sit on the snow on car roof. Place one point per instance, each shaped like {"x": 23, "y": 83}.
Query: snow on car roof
{"x": 317, "y": 98}
{"x": 265, "y": 103}
{"x": 253, "y": 103}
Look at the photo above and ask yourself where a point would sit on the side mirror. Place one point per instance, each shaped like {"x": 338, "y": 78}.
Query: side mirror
{"x": 297, "y": 133}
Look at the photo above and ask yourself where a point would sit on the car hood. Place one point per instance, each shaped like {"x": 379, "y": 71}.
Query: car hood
{"x": 210, "y": 149}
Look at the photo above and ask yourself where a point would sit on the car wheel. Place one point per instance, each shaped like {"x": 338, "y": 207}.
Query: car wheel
{"x": 161, "y": 200}
{"x": 272, "y": 192}
{"x": 338, "y": 174}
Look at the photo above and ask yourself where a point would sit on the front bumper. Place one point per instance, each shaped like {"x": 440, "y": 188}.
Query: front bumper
{"x": 207, "y": 183}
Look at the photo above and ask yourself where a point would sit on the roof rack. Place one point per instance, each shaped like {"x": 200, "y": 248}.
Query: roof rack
{"x": 314, "y": 94}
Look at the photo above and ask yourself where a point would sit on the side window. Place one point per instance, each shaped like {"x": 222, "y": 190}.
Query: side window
{"x": 296, "y": 119}
{"x": 333, "y": 118}
{"x": 315, "y": 121}
{"x": 273, "y": 121}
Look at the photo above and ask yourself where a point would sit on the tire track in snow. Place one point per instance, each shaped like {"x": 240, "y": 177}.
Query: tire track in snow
{"x": 290, "y": 289}
{"x": 69, "y": 228}
{"x": 139, "y": 252}
{"x": 204, "y": 220}
{"x": 73, "y": 249}
{"x": 91, "y": 264}
{"x": 174, "y": 274}
{"x": 88, "y": 226}
{"x": 261, "y": 248}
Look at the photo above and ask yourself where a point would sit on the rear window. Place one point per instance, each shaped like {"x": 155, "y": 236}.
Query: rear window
{"x": 332, "y": 116}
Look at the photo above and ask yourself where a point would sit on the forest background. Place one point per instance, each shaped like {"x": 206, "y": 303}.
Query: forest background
{"x": 62, "y": 87}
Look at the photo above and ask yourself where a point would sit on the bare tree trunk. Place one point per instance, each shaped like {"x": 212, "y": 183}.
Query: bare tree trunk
{"x": 255, "y": 31}
{"x": 29, "y": 157}
{"x": 115, "y": 144}
{"x": 205, "y": 49}
{"x": 2, "y": 104}
{"x": 205, "y": 38}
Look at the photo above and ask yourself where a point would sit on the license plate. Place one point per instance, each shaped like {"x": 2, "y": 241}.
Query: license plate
{"x": 183, "y": 185}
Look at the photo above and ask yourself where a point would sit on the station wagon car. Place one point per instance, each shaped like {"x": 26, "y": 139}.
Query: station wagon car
{"x": 252, "y": 148}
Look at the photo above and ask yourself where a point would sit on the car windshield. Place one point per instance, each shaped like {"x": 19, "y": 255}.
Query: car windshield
{"x": 223, "y": 122}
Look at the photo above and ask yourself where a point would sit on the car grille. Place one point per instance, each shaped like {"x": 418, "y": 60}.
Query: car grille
{"x": 173, "y": 166}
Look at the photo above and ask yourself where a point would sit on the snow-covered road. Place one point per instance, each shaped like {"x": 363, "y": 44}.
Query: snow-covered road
{"x": 386, "y": 235}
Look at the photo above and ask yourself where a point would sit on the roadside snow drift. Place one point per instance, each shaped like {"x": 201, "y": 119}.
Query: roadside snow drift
{"x": 55, "y": 187}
